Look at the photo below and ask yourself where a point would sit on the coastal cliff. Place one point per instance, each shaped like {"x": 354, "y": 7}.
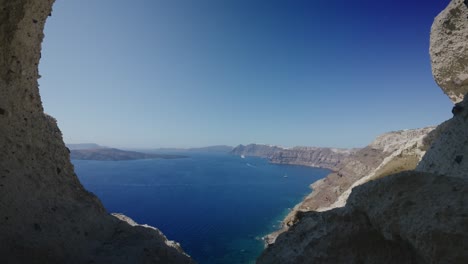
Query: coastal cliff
{"x": 416, "y": 216}
{"x": 46, "y": 216}
{"x": 389, "y": 153}
{"x": 328, "y": 158}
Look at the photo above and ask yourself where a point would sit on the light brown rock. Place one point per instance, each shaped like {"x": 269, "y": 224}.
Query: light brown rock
{"x": 449, "y": 50}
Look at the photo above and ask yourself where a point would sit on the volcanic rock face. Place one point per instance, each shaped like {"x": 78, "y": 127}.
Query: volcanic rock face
{"x": 46, "y": 216}
{"x": 411, "y": 217}
{"x": 449, "y": 50}
{"x": 329, "y": 158}
{"x": 257, "y": 150}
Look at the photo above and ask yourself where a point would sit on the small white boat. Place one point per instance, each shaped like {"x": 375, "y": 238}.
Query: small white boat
{"x": 285, "y": 176}
{"x": 242, "y": 156}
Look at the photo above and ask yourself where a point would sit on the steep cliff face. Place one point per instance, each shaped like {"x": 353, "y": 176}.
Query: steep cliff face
{"x": 329, "y": 158}
{"x": 411, "y": 217}
{"x": 46, "y": 216}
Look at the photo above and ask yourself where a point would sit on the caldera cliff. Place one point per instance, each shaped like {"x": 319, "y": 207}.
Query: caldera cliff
{"x": 416, "y": 216}
{"x": 46, "y": 216}
{"x": 328, "y": 158}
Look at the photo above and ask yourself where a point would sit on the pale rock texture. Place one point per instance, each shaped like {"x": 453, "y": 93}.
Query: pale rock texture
{"x": 46, "y": 216}
{"x": 404, "y": 150}
{"x": 449, "y": 50}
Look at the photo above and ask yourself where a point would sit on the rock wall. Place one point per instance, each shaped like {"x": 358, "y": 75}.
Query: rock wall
{"x": 412, "y": 217}
{"x": 329, "y": 158}
{"x": 46, "y": 216}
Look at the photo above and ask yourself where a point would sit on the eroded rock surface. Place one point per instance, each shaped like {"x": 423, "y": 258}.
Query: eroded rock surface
{"x": 46, "y": 216}
{"x": 449, "y": 50}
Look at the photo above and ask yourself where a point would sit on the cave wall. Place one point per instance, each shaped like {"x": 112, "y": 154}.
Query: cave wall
{"x": 46, "y": 216}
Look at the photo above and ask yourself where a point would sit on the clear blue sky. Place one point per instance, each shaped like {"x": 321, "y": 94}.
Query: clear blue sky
{"x": 182, "y": 73}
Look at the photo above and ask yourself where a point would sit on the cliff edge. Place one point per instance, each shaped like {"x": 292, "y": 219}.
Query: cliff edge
{"x": 46, "y": 216}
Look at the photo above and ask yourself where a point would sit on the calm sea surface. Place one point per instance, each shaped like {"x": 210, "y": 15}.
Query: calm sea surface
{"x": 218, "y": 206}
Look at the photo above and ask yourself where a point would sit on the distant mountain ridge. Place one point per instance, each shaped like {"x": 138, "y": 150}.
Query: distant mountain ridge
{"x": 113, "y": 154}
{"x": 84, "y": 146}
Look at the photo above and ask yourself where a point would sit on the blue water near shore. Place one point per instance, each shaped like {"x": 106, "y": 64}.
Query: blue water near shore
{"x": 218, "y": 206}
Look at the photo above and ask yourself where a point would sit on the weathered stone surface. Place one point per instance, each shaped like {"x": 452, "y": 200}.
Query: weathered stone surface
{"x": 449, "y": 50}
{"x": 46, "y": 216}
{"x": 411, "y": 217}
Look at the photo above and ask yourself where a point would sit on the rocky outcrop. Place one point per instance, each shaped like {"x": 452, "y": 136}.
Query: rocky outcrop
{"x": 449, "y": 50}
{"x": 411, "y": 217}
{"x": 46, "y": 216}
{"x": 329, "y": 158}
{"x": 389, "y": 153}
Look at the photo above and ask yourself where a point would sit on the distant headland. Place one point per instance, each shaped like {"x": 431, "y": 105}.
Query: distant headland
{"x": 91, "y": 151}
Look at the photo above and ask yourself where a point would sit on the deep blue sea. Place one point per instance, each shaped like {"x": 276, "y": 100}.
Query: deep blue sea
{"x": 218, "y": 206}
